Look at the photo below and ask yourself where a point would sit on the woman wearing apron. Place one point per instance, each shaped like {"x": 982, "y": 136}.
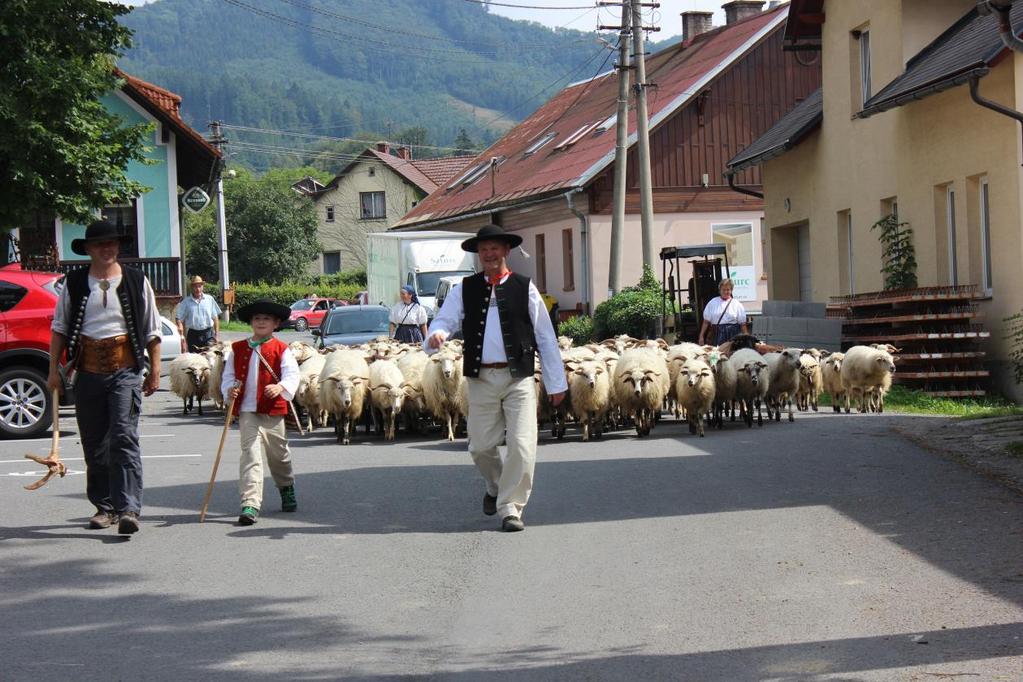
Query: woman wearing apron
{"x": 725, "y": 313}
{"x": 408, "y": 318}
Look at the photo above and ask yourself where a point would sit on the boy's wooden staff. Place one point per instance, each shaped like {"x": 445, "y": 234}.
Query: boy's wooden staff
{"x": 220, "y": 450}
{"x": 54, "y": 467}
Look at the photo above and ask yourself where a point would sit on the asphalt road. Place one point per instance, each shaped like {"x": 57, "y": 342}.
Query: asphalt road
{"x": 828, "y": 549}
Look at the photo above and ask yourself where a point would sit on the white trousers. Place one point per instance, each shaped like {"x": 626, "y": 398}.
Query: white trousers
{"x": 504, "y": 408}
{"x": 261, "y": 433}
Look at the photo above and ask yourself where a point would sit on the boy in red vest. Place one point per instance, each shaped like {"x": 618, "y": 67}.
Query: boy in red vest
{"x": 261, "y": 375}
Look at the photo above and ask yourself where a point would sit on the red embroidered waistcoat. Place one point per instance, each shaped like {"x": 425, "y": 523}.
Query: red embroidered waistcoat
{"x": 272, "y": 351}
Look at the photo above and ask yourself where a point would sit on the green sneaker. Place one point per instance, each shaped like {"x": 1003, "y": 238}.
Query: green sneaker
{"x": 248, "y": 516}
{"x": 288, "y": 501}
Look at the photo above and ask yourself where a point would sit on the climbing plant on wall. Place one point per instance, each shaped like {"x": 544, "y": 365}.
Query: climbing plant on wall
{"x": 898, "y": 256}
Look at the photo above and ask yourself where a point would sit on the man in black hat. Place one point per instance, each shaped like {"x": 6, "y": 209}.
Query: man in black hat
{"x": 504, "y": 323}
{"x": 106, "y": 318}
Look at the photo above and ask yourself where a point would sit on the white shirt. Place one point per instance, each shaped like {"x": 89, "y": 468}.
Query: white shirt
{"x": 413, "y": 313}
{"x": 103, "y": 322}
{"x": 735, "y": 313}
{"x": 250, "y": 399}
{"x": 451, "y": 314}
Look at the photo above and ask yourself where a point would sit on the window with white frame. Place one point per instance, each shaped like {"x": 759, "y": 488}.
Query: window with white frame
{"x": 864, "y": 66}
{"x": 738, "y": 241}
{"x": 987, "y": 282}
{"x": 372, "y": 205}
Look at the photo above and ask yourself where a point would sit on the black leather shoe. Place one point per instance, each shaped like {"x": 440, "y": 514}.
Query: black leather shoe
{"x": 512, "y": 524}
{"x": 102, "y": 519}
{"x": 128, "y": 524}
{"x": 489, "y": 504}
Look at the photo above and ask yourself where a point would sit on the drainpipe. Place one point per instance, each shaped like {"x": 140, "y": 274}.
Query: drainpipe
{"x": 584, "y": 256}
{"x": 742, "y": 190}
{"x": 1002, "y": 8}
{"x": 994, "y": 106}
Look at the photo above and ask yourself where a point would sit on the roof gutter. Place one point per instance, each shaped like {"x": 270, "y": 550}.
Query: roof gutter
{"x": 730, "y": 174}
{"x": 1002, "y": 8}
{"x": 482, "y": 212}
{"x": 584, "y": 238}
{"x": 989, "y": 104}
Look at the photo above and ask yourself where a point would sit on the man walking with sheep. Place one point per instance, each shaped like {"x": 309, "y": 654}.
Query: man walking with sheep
{"x": 504, "y": 323}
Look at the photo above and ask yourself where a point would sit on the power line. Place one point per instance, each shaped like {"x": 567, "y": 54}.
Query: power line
{"x": 286, "y": 133}
{"x": 508, "y": 4}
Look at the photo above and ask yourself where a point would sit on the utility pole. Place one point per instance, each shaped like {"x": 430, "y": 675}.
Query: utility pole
{"x": 646, "y": 197}
{"x": 218, "y": 140}
{"x": 621, "y": 153}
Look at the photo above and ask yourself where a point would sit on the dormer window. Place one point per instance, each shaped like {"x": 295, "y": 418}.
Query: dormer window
{"x": 536, "y": 146}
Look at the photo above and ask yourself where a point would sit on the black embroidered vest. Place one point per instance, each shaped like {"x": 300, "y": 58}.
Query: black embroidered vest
{"x": 516, "y": 325}
{"x": 130, "y": 294}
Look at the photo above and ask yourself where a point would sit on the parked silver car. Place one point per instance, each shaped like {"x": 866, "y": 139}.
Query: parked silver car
{"x": 352, "y": 324}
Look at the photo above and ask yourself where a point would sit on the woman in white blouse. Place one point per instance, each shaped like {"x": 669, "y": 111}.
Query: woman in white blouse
{"x": 725, "y": 313}
{"x": 408, "y": 318}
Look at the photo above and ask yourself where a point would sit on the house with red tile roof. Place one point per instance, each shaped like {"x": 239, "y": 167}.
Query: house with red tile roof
{"x": 550, "y": 178}
{"x": 369, "y": 195}
{"x": 179, "y": 159}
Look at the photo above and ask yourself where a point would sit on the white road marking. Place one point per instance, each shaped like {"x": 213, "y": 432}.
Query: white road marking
{"x": 81, "y": 459}
{"x": 47, "y": 440}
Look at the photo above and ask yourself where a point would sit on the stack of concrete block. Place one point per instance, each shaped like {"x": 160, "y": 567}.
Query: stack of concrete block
{"x": 796, "y": 324}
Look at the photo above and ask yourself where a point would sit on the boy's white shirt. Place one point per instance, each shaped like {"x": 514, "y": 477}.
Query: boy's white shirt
{"x": 250, "y": 400}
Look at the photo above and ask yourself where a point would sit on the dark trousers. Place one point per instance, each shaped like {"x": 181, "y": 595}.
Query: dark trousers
{"x": 107, "y": 407}
{"x": 199, "y": 339}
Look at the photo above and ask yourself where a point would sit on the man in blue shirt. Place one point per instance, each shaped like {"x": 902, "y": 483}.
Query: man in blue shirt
{"x": 199, "y": 314}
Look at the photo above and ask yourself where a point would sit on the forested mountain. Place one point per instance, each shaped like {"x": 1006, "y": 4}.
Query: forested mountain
{"x": 340, "y": 68}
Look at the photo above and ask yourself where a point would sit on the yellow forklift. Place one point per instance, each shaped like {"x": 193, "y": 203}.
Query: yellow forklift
{"x": 683, "y": 322}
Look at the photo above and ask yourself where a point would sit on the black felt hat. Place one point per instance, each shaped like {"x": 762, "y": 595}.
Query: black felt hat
{"x": 491, "y": 232}
{"x": 281, "y": 312}
{"x": 99, "y": 231}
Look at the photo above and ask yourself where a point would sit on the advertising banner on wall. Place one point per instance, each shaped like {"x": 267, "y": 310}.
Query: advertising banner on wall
{"x": 744, "y": 278}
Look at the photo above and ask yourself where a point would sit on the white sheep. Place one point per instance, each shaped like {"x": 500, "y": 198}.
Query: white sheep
{"x": 443, "y": 389}
{"x": 678, "y": 355}
{"x": 867, "y": 371}
{"x": 811, "y": 382}
{"x": 831, "y": 373}
{"x": 752, "y": 382}
{"x": 190, "y": 379}
{"x": 641, "y": 386}
{"x": 308, "y": 394}
{"x": 344, "y": 384}
{"x": 695, "y": 388}
{"x": 412, "y": 366}
{"x": 386, "y": 394}
{"x": 215, "y": 356}
{"x": 589, "y": 392}
{"x": 784, "y": 383}
{"x": 725, "y": 382}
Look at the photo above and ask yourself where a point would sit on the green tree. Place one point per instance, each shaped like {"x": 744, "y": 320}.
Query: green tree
{"x": 271, "y": 229}
{"x": 464, "y": 143}
{"x": 61, "y": 152}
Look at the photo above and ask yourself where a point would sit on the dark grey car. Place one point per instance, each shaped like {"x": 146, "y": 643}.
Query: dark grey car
{"x": 352, "y": 324}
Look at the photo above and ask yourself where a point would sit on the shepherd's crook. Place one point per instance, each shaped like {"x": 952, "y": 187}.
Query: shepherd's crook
{"x": 52, "y": 461}
{"x": 216, "y": 462}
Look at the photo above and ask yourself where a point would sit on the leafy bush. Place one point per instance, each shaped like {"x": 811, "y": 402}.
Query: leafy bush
{"x": 898, "y": 255}
{"x": 578, "y": 328}
{"x": 633, "y": 311}
{"x": 1014, "y": 335}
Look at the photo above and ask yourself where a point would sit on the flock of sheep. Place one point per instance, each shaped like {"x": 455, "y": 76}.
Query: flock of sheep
{"x": 611, "y": 384}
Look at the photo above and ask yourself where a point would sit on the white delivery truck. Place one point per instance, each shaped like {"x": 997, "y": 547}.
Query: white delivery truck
{"x": 417, "y": 258}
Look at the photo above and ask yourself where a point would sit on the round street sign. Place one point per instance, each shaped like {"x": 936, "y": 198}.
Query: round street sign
{"x": 195, "y": 199}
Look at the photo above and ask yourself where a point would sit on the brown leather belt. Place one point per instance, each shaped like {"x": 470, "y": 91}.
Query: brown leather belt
{"x": 106, "y": 356}
{"x": 494, "y": 365}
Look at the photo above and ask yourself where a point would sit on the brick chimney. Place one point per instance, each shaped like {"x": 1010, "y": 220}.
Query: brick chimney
{"x": 404, "y": 152}
{"x": 384, "y": 147}
{"x": 695, "y": 23}
{"x": 737, "y": 10}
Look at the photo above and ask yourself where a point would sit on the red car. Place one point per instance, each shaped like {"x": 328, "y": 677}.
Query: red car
{"x": 309, "y": 312}
{"x": 27, "y": 301}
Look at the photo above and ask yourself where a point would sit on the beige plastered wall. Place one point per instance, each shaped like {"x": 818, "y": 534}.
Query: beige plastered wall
{"x": 347, "y": 233}
{"x": 913, "y": 153}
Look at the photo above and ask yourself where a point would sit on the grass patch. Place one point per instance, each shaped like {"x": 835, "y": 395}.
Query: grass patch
{"x": 1014, "y": 449}
{"x": 902, "y": 399}
{"x": 239, "y": 326}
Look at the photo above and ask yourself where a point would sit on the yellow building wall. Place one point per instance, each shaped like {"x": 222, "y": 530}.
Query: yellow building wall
{"x": 913, "y": 154}
{"x": 347, "y": 233}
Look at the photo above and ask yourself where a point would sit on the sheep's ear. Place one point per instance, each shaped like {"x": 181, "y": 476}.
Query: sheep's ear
{"x": 599, "y": 370}
{"x": 762, "y": 365}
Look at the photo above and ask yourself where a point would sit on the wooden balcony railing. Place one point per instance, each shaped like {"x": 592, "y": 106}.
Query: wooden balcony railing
{"x": 164, "y": 273}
